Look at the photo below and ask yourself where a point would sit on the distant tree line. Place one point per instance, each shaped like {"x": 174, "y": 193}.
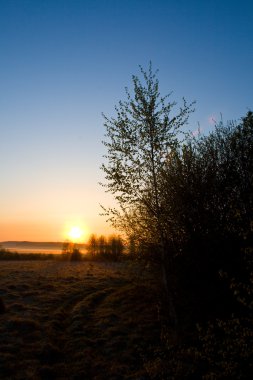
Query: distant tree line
{"x": 186, "y": 201}
{"x": 97, "y": 247}
{"x": 111, "y": 247}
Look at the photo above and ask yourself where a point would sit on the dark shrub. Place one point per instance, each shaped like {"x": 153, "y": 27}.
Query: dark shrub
{"x": 76, "y": 255}
{"x": 2, "y": 307}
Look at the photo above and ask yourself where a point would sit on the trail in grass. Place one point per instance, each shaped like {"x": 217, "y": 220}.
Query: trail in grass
{"x": 77, "y": 320}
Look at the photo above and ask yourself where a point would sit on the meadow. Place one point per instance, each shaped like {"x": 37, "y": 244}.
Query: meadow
{"x": 85, "y": 320}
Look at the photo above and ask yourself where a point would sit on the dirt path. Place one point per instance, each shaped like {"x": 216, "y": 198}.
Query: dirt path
{"x": 77, "y": 321}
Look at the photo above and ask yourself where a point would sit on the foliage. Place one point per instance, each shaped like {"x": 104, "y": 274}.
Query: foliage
{"x": 71, "y": 252}
{"x": 105, "y": 248}
{"x": 93, "y": 245}
{"x": 2, "y": 306}
{"x": 192, "y": 196}
{"x": 208, "y": 195}
{"x": 208, "y": 184}
{"x": 76, "y": 255}
{"x": 220, "y": 350}
{"x": 138, "y": 141}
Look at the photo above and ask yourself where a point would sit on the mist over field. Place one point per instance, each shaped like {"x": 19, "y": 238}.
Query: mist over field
{"x": 37, "y": 247}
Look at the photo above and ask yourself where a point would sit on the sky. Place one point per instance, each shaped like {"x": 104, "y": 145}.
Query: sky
{"x": 64, "y": 62}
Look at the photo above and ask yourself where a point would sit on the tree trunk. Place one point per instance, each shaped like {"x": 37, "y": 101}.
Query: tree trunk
{"x": 172, "y": 315}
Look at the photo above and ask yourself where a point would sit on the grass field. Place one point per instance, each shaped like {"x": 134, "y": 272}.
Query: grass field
{"x": 86, "y": 320}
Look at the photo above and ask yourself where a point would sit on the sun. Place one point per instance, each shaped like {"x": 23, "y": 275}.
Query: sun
{"x": 75, "y": 230}
{"x": 75, "y": 234}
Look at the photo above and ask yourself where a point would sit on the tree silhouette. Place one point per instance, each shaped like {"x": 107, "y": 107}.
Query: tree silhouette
{"x": 115, "y": 247}
{"x": 101, "y": 243}
{"x": 93, "y": 245}
{"x": 138, "y": 141}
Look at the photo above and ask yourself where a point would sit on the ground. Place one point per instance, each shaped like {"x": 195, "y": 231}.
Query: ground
{"x": 85, "y": 320}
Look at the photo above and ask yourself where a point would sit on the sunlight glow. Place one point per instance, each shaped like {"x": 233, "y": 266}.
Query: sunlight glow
{"x": 75, "y": 234}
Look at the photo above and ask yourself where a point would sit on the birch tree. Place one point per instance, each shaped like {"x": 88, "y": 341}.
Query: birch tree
{"x": 138, "y": 140}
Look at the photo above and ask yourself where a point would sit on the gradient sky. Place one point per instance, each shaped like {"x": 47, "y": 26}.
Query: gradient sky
{"x": 64, "y": 62}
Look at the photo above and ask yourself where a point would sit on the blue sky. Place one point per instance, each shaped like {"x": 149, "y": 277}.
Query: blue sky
{"x": 65, "y": 62}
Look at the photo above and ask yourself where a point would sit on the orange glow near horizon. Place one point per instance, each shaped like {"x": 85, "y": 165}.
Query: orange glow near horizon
{"x": 49, "y": 212}
{"x": 75, "y": 230}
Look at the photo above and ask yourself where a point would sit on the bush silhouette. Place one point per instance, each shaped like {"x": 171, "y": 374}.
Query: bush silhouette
{"x": 2, "y": 307}
{"x": 76, "y": 255}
